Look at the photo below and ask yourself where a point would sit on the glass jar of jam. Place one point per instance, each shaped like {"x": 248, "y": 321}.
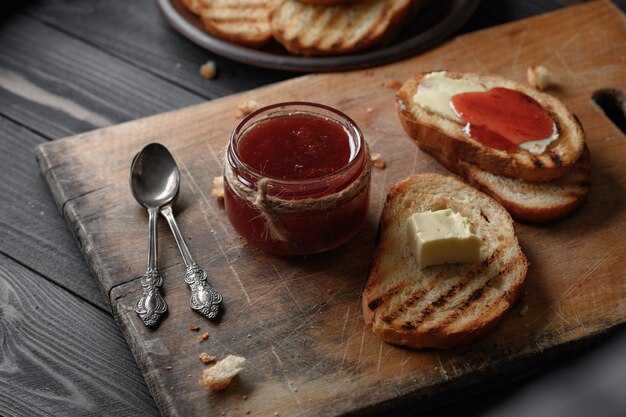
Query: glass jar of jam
{"x": 296, "y": 178}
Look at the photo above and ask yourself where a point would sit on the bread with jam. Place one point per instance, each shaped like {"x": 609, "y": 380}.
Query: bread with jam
{"x": 448, "y": 135}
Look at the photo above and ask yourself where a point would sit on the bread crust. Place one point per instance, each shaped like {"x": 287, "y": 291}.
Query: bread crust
{"x": 426, "y": 128}
{"x": 469, "y": 301}
{"x": 330, "y": 2}
{"x": 574, "y": 188}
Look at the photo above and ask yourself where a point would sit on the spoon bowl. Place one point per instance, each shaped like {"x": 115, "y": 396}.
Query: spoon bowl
{"x": 154, "y": 179}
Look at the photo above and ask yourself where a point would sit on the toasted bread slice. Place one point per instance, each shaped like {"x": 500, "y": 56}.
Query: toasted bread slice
{"x": 309, "y": 29}
{"x": 530, "y": 202}
{"x": 245, "y": 22}
{"x": 447, "y": 137}
{"x": 330, "y": 2}
{"x": 194, "y": 6}
{"x": 441, "y": 306}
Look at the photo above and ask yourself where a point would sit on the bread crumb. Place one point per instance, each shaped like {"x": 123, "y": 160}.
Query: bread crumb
{"x": 394, "y": 84}
{"x": 524, "y": 310}
{"x": 206, "y": 358}
{"x": 218, "y": 188}
{"x": 275, "y": 413}
{"x": 247, "y": 107}
{"x": 208, "y": 70}
{"x": 193, "y": 327}
{"x": 245, "y": 397}
{"x": 220, "y": 375}
{"x": 377, "y": 162}
{"x": 539, "y": 77}
{"x": 203, "y": 337}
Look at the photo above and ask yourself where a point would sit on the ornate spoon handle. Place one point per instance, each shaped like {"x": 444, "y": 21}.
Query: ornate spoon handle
{"x": 204, "y": 298}
{"x": 151, "y": 305}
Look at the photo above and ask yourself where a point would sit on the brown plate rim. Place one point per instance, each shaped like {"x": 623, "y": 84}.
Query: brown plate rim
{"x": 458, "y": 14}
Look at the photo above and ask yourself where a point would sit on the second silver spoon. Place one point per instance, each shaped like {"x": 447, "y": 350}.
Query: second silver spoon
{"x": 204, "y": 298}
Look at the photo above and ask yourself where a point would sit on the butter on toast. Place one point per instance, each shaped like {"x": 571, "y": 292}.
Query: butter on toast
{"x": 310, "y": 29}
{"x": 529, "y": 202}
{"x": 245, "y": 22}
{"x": 441, "y": 306}
{"x": 447, "y": 137}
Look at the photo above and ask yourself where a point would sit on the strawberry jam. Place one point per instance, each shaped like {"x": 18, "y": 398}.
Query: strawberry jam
{"x": 296, "y": 179}
{"x": 294, "y": 147}
{"x": 502, "y": 118}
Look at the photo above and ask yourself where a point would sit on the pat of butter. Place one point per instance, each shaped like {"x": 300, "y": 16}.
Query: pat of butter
{"x": 442, "y": 237}
{"x": 437, "y": 89}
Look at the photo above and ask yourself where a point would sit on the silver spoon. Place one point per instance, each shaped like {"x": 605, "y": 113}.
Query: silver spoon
{"x": 204, "y": 299}
{"x": 152, "y": 188}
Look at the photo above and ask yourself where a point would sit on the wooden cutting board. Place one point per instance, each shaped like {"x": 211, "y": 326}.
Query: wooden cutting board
{"x": 298, "y": 321}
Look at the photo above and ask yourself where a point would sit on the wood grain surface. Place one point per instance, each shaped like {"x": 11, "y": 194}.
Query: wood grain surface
{"x": 298, "y": 321}
{"x": 143, "y": 38}
{"x": 32, "y": 231}
{"x": 83, "y": 83}
{"x": 47, "y": 368}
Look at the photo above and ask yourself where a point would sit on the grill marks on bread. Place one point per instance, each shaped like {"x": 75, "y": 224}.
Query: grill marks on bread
{"x": 309, "y": 29}
{"x": 318, "y": 27}
{"x": 246, "y": 22}
{"x": 447, "y": 305}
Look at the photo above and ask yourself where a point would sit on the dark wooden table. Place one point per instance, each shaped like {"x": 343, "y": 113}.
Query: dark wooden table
{"x": 71, "y": 66}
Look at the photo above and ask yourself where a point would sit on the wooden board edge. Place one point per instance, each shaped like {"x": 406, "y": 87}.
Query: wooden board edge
{"x": 163, "y": 397}
{"x": 80, "y": 237}
{"x": 42, "y": 152}
{"x": 55, "y": 146}
{"x": 574, "y": 8}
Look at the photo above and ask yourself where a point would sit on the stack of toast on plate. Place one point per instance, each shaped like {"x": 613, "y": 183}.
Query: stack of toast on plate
{"x": 305, "y": 27}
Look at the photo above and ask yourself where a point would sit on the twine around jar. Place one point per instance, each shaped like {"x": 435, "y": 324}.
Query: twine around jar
{"x": 271, "y": 207}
